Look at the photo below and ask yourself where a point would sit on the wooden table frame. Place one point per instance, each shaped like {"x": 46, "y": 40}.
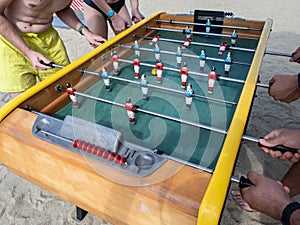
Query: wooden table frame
{"x": 190, "y": 196}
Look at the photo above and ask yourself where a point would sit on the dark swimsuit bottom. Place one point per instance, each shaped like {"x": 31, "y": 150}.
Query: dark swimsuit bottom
{"x": 115, "y": 6}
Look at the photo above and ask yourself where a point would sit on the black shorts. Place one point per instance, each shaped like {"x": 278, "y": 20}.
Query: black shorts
{"x": 115, "y": 6}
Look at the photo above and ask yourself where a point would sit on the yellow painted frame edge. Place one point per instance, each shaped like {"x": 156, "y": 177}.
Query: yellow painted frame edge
{"x": 213, "y": 201}
{"x": 14, "y": 103}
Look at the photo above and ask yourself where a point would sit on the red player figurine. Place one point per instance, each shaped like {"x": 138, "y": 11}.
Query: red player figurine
{"x": 184, "y": 71}
{"x": 136, "y": 66}
{"x": 155, "y": 39}
{"x": 71, "y": 91}
{"x": 130, "y": 107}
{"x": 186, "y": 43}
{"x": 159, "y": 68}
{"x": 212, "y": 77}
{"x": 115, "y": 61}
{"x": 223, "y": 47}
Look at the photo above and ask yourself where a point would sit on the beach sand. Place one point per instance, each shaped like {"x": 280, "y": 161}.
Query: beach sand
{"x": 23, "y": 203}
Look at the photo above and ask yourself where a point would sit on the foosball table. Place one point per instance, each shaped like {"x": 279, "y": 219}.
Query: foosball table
{"x": 146, "y": 128}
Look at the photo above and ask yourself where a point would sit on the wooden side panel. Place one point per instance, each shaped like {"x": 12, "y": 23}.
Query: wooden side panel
{"x": 71, "y": 177}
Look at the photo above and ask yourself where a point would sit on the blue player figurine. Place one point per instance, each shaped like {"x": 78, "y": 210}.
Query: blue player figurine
{"x": 144, "y": 85}
{"x": 189, "y": 93}
{"x": 207, "y": 26}
{"x": 234, "y": 36}
{"x": 156, "y": 51}
{"x": 178, "y": 57}
{"x": 136, "y": 48}
{"x": 187, "y": 31}
{"x": 228, "y": 62}
{"x": 104, "y": 76}
{"x": 202, "y": 58}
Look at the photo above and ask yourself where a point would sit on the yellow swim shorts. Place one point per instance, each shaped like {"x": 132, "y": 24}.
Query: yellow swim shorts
{"x": 16, "y": 71}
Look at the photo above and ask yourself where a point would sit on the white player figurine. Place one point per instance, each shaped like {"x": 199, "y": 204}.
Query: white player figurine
{"x": 115, "y": 61}
{"x": 189, "y": 93}
{"x": 71, "y": 91}
{"x": 155, "y": 39}
{"x": 178, "y": 57}
{"x": 228, "y": 62}
{"x": 207, "y": 26}
{"x": 144, "y": 86}
{"x": 159, "y": 69}
{"x": 202, "y": 58}
{"x": 136, "y": 48}
{"x": 212, "y": 77}
{"x": 156, "y": 51}
{"x": 104, "y": 76}
{"x": 130, "y": 107}
{"x": 136, "y": 67}
{"x": 184, "y": 71}
{"x": 234, "y": 36}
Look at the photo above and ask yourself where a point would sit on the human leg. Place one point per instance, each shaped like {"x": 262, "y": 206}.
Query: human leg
{"x": 95, "y": 21}
{"x": 292, "y": 179}
{"x": 122, "y": 11}
{"x": 16, "y": 71}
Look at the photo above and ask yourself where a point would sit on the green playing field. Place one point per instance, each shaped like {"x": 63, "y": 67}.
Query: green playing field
{"x": 186, "y": 142}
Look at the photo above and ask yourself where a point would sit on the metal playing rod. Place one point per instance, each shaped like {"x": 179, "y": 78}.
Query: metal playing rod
{"x": 198, "y": 125}
{"x": 187, "y": 55}
{"x": 200, "y": 33}
{"x": 172, "y": 69}
{"x": 203, "y": 24}
{"x": 185, "y": 162}
{"x": 150, "y": 85}
{"x": 198, "y": 43}
{"x": 279, "y": 53}
{"x": 161, "y": 88}
{"x": 156, "y": 114}
{"x": 190, "y": 72}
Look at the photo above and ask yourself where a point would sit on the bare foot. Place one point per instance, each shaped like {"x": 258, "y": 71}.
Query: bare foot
{"x": 236, "y": 194}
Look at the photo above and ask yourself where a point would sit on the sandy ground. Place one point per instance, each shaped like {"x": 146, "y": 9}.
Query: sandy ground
{"x": 23, "y": 203}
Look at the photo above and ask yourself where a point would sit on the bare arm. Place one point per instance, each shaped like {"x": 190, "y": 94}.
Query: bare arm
{"x": 68, "y": 16}
{"x": 135, "y": 12}
{"x": 118, "y": 22}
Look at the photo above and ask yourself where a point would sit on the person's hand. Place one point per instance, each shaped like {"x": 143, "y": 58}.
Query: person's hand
{"x": 119, "y": 23}
{"x": 296, "y": 56}
{"x": 266, "y": 195}
{"x": 287, "y": 137}
{"x": 284, "y": 88}
{"x": 36, "y": 58}
{"x": 137, "y": 16}
{"x": 94, "y": 39}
